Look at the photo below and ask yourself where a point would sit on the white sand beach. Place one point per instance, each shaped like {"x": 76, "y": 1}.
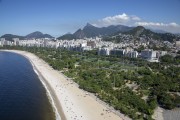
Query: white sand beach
{"x": 71, "y": 102}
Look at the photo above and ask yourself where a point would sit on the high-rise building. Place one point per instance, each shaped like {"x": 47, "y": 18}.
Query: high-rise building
{"x": 2, "y": 41}
{"x": 132, "y": 54}
{"x": 104, "y": 51}
{"x": 91, "y": 43}
{"x": 149, "y": 54}
{"x": 178, "y": 44}
{"x": 117, "y": 52}
{"x": 16, "y": 41}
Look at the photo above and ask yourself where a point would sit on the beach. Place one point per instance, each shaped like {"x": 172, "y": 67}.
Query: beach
{"x": 69, "y": 102}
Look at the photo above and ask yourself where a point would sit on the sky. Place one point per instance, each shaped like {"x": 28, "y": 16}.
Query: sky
{"x": 58, "y": 17}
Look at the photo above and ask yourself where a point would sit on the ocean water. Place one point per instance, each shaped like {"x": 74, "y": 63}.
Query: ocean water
{"x": 22, "y": 96}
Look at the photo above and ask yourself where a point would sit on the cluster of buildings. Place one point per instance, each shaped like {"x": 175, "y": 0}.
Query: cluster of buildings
{"x": 147, "y": 54}
{"x": 102, "y": 47}
{"x": 118, "y": 52}
{"x": 78, "y": 45}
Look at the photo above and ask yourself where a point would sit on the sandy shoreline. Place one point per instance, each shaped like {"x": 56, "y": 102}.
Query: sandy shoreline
{"x": 71, "y": 102}
{"x": 53, "y": 98}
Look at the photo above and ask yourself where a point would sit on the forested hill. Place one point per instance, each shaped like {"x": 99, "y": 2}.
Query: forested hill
{"x": 34, "y": 35}
{"x": 11, "y": 36}
{"x": 140, "y": 31}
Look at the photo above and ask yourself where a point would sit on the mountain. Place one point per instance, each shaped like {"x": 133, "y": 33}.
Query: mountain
{"x": 92, "y": 31}
{"x": 37, "y": 35}
{"x": 68, "y": 36}
{"x": 140, "y": 31}
{"x": 158, "y": 31}
{"x": 177, "y": 33}
{"x": 79, "y": 34}
{"x": 11, "y": 36}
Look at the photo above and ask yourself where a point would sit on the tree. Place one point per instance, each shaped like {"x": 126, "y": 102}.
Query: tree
{"x": 167, "y": 58}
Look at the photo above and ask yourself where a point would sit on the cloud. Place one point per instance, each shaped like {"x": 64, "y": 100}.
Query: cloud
{"x": 122, "y": 19}
{"x": 133, "y": 20}
{"x": 169, "y": 27}
{"x": 156, "y": 24}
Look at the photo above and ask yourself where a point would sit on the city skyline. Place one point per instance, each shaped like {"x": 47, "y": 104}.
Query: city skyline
{"x": 59, "y": 17}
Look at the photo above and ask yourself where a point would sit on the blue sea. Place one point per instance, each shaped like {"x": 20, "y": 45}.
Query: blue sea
{"x": 22, "y": 95}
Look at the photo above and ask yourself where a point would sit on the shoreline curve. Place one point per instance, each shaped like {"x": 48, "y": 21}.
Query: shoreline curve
{"x": 57, "y": 108}
{"x": 70, "y": 102}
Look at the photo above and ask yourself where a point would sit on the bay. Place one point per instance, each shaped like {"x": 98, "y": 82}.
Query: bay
{"x": 22, "y": 95}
